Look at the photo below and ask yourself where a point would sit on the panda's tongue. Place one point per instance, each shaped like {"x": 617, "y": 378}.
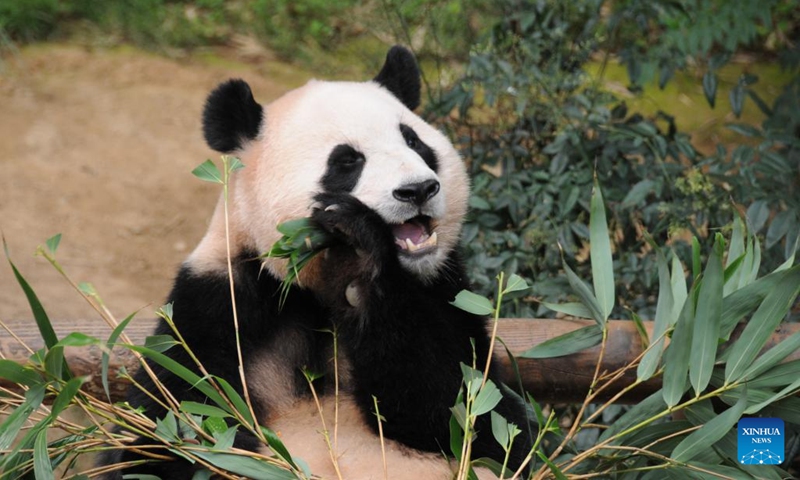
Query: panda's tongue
{"x": 413, "y": 236}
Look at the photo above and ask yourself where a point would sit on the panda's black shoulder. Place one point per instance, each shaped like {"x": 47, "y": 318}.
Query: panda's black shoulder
{"x": 231, "y": 116}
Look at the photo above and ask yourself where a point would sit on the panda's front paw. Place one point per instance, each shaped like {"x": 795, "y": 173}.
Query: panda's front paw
{"x": 354, "y": 224}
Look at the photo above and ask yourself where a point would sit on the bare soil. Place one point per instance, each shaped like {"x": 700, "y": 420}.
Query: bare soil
{"x": 98, "y": 145}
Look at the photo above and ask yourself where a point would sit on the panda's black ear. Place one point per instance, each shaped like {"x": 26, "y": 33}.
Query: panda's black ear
{"x": 231, "y": 116}
{"x": 400, "y": 75}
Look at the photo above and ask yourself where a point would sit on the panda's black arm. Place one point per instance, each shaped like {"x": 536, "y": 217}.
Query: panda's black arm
{"x": 405, "y": 341}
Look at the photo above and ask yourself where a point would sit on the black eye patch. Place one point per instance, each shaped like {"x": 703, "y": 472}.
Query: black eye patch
{"x": 423, "y": 150}
{"x": 345, "y": 165}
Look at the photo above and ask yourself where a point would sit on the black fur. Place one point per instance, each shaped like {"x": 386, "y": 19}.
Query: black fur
{"x": 202, "y": 313}
{"x": 345, "y": 165}
{"x": 422, "y": 149}
{"x": 231, "y": 116}
{"x": 400, "y": 75}
{"x": 405, "y": 341}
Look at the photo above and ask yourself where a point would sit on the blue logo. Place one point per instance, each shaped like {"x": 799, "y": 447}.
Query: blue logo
{"x": 760, "y": 441}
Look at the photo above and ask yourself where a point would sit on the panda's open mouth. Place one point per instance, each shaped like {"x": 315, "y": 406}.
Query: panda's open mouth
{"x": 415, "y": 236}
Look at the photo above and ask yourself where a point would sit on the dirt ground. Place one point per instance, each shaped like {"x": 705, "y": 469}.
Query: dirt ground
{"x": 98, "y": 145}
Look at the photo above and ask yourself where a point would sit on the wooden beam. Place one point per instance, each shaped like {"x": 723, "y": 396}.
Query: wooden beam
{"x": 553, "y": 380}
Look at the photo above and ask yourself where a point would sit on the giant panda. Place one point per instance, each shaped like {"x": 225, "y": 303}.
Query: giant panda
{"x": 391, "y": 191}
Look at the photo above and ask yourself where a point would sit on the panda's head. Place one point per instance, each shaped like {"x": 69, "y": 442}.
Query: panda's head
{"x": 357, "y": 137}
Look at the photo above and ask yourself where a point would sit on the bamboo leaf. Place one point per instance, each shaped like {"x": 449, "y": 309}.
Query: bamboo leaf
{"x": 707, "y": 321}
{"x": 679, "y": 291}
{"x": 709, "y": 433}
{"x": 16, "y": 373}
{"x": 208, "y": 172}
{"x": 65, "y": 396}
{"x": 12, "y": 424}
{"x": 772, "y": 356}
{"x": 488, "y": 398}
{"x": 42, "y": 467}
{"x": 779, "y": 376}
{"x": 573, "y": 309}
{"x": 664, "y": 306}
{"x": 277, "y": 446}
{"x": 788, "y": 390}
{"x": 244, "y": 465}
{"x": 515, "y": 284}
{"x": 600, "y": 250}
{"x": 237, "y": 400}
{"x": 159, "y": 343}
{"x": 53, "y": 242}
{"x": 585, "y": 294}
{"x": 184, "y": 373}
{"x": 710, "y": 87}
{"x": 106, "y": 353}
{"x": 473, "y": 303}
{"x": 758, "y": 330}
{"x": 566, "y": 344}
{"x": 676, "y": 359}
{"x": 746, "y": 299}
{"x": 643, "y": 410}
{"x": 203, "y": 409}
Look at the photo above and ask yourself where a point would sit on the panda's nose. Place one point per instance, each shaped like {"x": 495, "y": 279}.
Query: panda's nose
{"x": 417, "y": 193}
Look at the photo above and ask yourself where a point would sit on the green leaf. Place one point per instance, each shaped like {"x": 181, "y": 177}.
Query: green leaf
{"x": 109, "y": 345}
{"x": 488, "y": 398}
{"x": 553, "y": 468}
{"x": 573, "y": 309}
{"x": 772, "y": 356}
{"x": 214, "y": 426}
{"x": 566, "y": 344}
{"x": 679, "y": 292}
{"x": 515, "y": 283}
{"x": 237, "y": 401}
{"x": 744, "y": 300}
{"x": 208, "y": 172}
{"x": 78, "y": 339}
{"x": 638, "y": 193}
{"x": 638, "y": 413}
{"x": 42, "y": 467}
{"x": 676, "y": 358}
{"x": 473, "y": 303}
{"x": 500, "y": 429}
{"x": 184, "y": 373}
{"x": 54, "y": 363}
{"x": 167, "y": 428}
{"x": 758, "y": 330}
{"x": 664, "y": 308}
{"x": 788, "y": 390}
{"x": 600, "y": 250}
{"x": 234, "y": 164}
{"x": 585, "y": 294}
{"x": 737, "y": 97}
{"x": 159, "y": 343}
{"x": 42, "y": 321}
{"x": 16, "y": 373}
{"x": 707, "y": 321}
{"x": 224, "y": 440}
{"x": 203, "y": 409}
{"x": 710, "y": 87}
{"x": 12, "y": 423}
{"x": 779, "y": 376}
{"x": 697, "y": 266}
{"x": 709, "y": 433}
{"x": 244, "y": 465}
{"x": 277, "y": 446}
{"x": 65, "y": 396}
{"x": 53, "y": 242}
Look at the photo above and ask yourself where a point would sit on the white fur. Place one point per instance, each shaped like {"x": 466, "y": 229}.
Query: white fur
{"x": 283, "y": 168}
{"x": 357, "y": 449}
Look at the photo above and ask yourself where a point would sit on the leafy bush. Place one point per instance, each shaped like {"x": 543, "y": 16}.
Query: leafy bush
{"x": 536, "y": 129}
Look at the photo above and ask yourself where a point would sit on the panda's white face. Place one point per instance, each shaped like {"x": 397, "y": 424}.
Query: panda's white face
{"x": 339, "y": 137}
{"x": 357, "y": 138}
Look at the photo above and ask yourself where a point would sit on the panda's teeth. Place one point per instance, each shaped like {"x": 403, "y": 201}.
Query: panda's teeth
{"x": 410, "y": 246}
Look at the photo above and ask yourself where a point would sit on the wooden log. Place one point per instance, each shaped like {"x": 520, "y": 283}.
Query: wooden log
{"x": 553, "y": 380}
